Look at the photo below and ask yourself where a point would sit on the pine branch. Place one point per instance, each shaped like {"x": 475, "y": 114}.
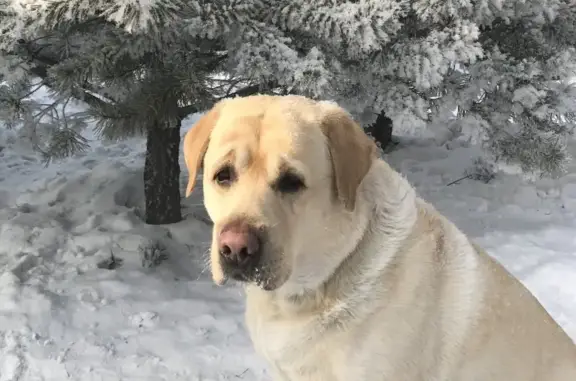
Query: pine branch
{"x": 41, "y": 63}
{"x": 253, "y": 89}
{"x": 243, "y": 92}
{"x": 64, "y": 143}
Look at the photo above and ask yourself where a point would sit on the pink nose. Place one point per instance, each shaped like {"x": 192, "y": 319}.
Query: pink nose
{"x": 238, "y": 242}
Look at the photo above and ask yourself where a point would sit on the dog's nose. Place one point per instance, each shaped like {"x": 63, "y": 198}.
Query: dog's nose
{"x": 239, "y": 243}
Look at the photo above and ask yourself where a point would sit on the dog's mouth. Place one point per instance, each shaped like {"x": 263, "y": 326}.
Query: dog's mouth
{"x": 239, "y": 275}
{"x": 255, "y": 275}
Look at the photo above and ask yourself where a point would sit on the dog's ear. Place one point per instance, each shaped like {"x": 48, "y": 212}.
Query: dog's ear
{"x": 196, "y": 143}
{"x": 352, "y": 153}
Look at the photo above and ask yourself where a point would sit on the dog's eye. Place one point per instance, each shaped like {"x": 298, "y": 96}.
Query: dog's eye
{"x": 225, "y": 176}
{"x": 289, "y": 183}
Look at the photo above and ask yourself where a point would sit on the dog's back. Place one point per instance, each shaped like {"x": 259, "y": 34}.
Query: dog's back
{"x": 449, "y": 311}
{"x": 513, "y": 334}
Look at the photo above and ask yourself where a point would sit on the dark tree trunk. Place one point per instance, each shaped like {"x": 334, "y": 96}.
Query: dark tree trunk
{"x": 381, "y": 130}
{"x": 162, "y": 175}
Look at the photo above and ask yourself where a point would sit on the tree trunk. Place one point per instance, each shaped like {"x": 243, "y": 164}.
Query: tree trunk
{"x": 162, "y": 175}
{"x": 381, "y": 130}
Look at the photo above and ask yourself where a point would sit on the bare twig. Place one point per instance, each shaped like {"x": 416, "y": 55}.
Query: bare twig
{"x": 241, "y": 375}
{"x": 458, "y": 180}
{"x": 33, "y": 90}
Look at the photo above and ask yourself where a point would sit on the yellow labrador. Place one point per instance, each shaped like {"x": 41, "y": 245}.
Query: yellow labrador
{"x": 349, "y": 275}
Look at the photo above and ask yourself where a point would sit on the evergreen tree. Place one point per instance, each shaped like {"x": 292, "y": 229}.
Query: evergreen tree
{"x": 133, "y": 83}
{"x": 504, "y": 65}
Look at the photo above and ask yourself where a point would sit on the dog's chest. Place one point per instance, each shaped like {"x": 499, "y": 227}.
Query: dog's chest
{"x": 297, "y": 349}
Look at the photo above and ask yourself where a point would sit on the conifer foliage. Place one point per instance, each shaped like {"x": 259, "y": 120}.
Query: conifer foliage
{"x": 504, "y": 65}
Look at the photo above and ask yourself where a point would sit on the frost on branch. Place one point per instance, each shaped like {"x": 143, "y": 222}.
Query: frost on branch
{"x": 368, "y": 24}
{"x": 494, "y": 72}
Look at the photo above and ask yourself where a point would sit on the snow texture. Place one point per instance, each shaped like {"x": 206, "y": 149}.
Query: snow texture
{"x": 89, "y": 292}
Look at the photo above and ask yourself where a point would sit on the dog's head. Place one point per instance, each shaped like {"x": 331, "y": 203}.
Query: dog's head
{"x": 281, "y": 175}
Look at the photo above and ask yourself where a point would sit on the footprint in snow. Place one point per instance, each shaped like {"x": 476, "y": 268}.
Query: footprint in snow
{"x": 144, "y": 319}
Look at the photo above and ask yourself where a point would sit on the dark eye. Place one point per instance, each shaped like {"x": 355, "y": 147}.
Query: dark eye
{"x": 225, "y": 176}
{"x": 289, "y": 183}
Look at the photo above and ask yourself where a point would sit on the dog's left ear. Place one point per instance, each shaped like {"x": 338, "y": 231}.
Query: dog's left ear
{"x": 196, "y": 143}
{"x": 352, "y": 153}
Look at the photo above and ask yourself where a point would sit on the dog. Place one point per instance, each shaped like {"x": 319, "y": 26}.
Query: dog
{"x": 348, "y": 273}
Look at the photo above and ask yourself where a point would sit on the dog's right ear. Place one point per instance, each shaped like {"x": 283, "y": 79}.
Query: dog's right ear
{"x": 196, "y": 143}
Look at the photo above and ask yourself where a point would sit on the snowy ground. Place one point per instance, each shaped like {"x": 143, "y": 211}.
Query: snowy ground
{"x": 63, "y": 316}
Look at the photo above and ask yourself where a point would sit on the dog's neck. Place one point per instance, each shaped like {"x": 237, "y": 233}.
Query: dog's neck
{"x": 389, "y": 222}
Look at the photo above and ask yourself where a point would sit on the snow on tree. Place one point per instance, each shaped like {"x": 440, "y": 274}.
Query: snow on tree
{"x": 504, "y": 65}
{"x": 133, "y": 83}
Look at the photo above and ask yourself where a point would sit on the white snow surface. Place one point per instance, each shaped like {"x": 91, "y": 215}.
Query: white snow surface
{"x": 62, "y": 317}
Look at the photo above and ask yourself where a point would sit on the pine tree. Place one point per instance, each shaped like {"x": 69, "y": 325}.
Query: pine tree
{"x": 132, "y": 83}
{"x": 504, "y": 65}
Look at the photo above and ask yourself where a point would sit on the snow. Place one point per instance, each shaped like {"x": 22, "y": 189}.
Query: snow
{"x": 66, "y": 313}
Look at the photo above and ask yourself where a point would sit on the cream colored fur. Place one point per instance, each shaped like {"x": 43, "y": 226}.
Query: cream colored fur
{"x": 368, "y": 281}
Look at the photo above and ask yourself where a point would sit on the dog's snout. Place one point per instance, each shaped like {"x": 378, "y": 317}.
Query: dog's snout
{"x": 239, "y": 243}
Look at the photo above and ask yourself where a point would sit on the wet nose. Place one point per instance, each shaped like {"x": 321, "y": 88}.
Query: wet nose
{"x": 239, "y": 243}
